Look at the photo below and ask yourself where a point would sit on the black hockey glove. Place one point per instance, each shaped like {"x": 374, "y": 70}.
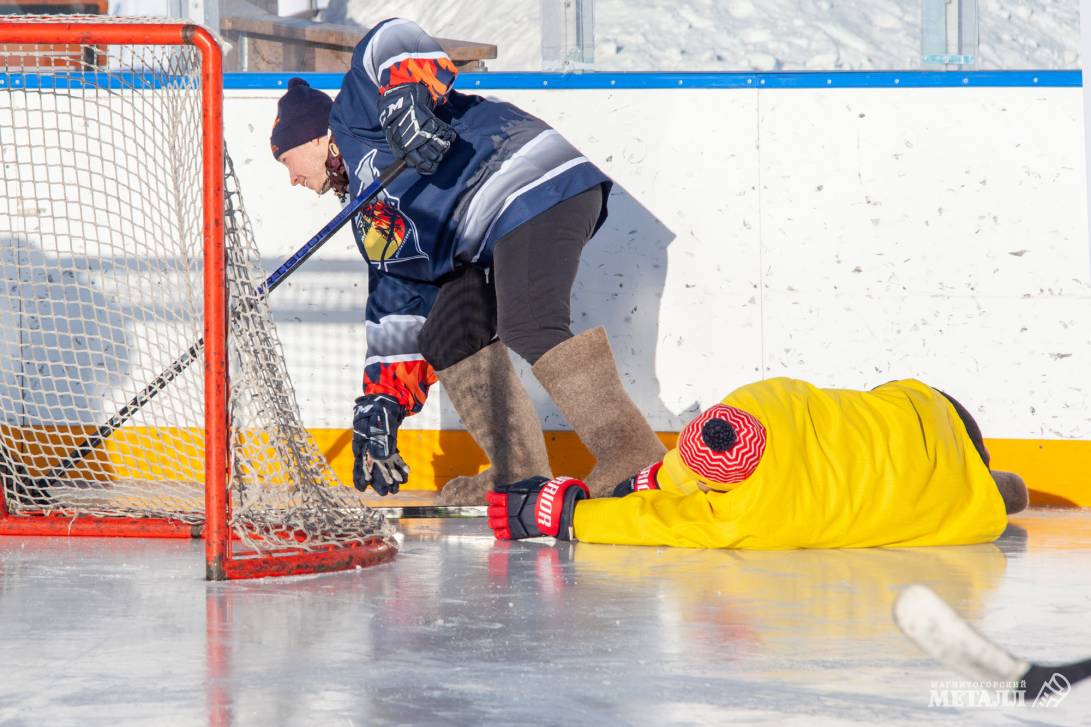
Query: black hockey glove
{"x": 643, "y": 480}
{"x": 412, "y": 130}
{"x": 535, "y": 507}
{"x": 376, "y": 462}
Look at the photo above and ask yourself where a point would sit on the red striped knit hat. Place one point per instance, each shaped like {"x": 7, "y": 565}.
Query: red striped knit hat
{"x": 723, "y": 444}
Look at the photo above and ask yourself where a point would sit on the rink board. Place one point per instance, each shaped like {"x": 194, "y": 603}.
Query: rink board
{"x": 847, "y": 235}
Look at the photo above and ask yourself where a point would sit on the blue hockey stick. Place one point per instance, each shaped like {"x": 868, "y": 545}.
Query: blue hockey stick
{"x": 35, "y": 491}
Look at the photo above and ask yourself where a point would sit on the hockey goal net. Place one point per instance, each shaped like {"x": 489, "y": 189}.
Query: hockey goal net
{"x": 130, "y": 300}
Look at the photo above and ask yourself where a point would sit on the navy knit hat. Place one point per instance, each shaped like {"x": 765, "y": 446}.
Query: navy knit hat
{"x": 303, "y": 114}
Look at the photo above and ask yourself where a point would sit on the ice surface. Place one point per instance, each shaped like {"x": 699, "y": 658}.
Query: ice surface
{"x": 461, "y": 629}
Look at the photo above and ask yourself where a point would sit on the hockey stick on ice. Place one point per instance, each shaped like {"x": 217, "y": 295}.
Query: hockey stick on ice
{"x": 935, "y": 627}
{"x": 27, "y": 491}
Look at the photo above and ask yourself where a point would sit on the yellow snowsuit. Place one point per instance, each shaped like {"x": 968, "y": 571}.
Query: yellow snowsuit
{"x": 893, "y": 466}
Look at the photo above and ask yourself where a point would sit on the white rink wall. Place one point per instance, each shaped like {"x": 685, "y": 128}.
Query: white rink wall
{"x": 847, "y": 237}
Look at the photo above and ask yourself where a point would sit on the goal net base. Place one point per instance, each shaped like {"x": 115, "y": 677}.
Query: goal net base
{"x": 239, "y": 564}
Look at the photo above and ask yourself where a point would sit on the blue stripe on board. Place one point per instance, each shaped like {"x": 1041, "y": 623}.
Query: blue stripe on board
{"x": 88, "y": 79}
{"x": 599, "y": 81}
{"x": 590, "y": 81}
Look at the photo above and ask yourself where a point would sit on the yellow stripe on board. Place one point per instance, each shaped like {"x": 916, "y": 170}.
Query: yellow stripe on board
{"x": 1057, "y": 471}
{"x": 147, "y": 453}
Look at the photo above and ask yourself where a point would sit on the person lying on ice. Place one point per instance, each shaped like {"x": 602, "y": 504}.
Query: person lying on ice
{"x": 783, "y": 464}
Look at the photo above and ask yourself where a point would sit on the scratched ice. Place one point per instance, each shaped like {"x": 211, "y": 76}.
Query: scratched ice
{"x": 461, "y": 629}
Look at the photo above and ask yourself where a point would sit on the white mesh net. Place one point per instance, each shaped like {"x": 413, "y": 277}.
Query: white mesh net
{"x": 101, "y": 264}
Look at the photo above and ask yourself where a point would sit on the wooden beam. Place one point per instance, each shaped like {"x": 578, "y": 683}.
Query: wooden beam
{"x": 332, "y": 35}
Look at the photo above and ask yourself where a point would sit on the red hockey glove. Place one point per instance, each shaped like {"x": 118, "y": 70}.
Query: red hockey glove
{"x": 535, "y": 507}
{"x": 641, "y": 481}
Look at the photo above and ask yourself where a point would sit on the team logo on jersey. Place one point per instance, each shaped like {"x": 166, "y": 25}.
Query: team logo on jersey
{"x": 387, "y": 235}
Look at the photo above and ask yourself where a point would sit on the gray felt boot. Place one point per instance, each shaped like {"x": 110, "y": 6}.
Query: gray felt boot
{"x": 582, "y": 379}
{"x": 500, "y": 416}
{"x": 1013, "y": 490}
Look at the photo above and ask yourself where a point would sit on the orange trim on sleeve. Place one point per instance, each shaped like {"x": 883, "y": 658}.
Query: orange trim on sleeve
{"x": 436, "y": 74}
{"x": 406, "y": 381}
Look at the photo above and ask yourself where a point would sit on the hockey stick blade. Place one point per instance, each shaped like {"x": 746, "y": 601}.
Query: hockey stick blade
{"x": 181, "y": 363}
{"x": 931, "y": 624}
{"x": 935, "y": 627}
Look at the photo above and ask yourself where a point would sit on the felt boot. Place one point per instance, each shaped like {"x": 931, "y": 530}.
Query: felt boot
{"x": 500, "y": 416}
{"x": 1013, "y": 490}
{"x": 582, "y": 379}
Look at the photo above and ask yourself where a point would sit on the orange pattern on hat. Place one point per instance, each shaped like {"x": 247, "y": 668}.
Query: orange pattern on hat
{"x": 738, "y": 462}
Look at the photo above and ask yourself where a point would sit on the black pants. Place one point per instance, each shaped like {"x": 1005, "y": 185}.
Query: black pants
{"x": 525, "y": 300}
{"x": 971, "y": 427}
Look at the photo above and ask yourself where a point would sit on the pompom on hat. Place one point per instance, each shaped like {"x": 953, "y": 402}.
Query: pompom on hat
{"x": 723, "y": 445}
{"x": 303, "y": 114}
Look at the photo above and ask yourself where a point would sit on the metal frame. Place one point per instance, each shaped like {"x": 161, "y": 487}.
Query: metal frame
{"x": 568, "y": 35}
{"x": 223, "y": 559}
{"x": 949, "y": 33}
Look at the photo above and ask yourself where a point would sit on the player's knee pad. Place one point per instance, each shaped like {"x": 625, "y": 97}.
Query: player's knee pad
{"x": 532, "y": 342}
{"x": 445, "y": 345}
{"x": 462, "y": 321}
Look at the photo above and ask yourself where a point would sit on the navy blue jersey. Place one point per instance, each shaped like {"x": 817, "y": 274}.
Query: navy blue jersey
{"x": 505, "y": 168}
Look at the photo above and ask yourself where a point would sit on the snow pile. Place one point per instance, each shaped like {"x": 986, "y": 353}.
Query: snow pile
{"x": 742, "y": 35}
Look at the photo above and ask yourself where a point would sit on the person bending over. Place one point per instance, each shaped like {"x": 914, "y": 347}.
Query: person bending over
{"x": 473, "y": 253}
{"x": 783, "y": 464}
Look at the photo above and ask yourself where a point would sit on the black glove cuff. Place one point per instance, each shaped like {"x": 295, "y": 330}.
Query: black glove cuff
{"x": 419, "y": 95}
{"x": 625, "y": 488}
{"x": 567, "y": 530}
{"x": 395, "y": 412}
